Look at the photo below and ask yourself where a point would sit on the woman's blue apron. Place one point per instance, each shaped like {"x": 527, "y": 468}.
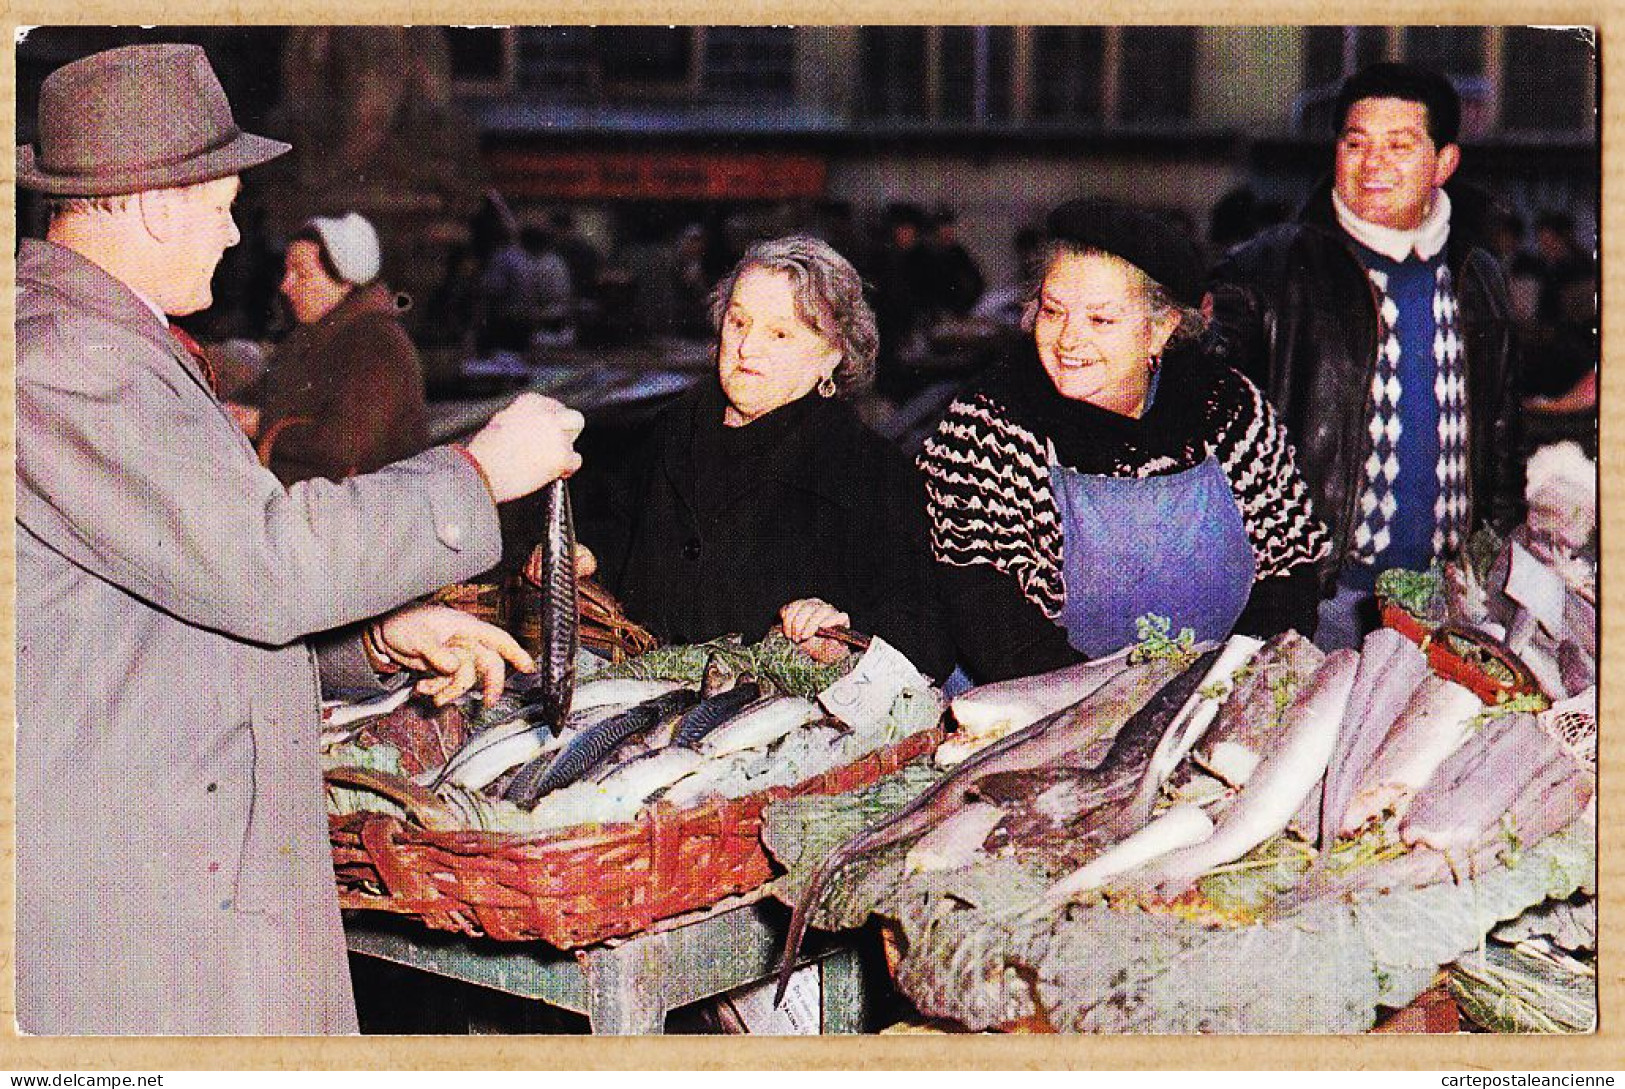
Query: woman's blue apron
{"x": 1170, "y": 545}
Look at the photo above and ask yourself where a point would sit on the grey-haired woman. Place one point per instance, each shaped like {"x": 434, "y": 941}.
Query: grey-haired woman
{"x": 761, "y": 500}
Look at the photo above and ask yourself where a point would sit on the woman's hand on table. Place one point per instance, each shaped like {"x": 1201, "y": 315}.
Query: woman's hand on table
{"x": 457, "y": 650}
{"x": 801, "y": 621}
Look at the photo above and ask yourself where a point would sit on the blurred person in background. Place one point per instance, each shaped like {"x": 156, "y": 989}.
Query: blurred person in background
{"x": 343, "y": 393}
{"x": 956, "y": 278}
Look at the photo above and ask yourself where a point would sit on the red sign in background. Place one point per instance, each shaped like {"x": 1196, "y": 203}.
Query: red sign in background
{"x": 637, "y": 175}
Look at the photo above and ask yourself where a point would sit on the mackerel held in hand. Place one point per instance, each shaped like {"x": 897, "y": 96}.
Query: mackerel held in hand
{"x": 561, "y": 607}
{"x": 1062, "y": 737}
{"x": 549, "y": 773}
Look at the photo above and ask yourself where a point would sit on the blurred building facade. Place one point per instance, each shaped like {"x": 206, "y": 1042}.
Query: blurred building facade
{"x": 638, "y": 130}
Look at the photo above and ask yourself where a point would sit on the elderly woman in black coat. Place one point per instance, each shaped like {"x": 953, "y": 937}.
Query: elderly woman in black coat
{"x": 761, "y": 500}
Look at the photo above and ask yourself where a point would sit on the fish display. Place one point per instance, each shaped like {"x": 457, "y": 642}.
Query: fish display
{"x": 714, "y": 711}
{"x": 1391, "y": 669}
{"x": 591, "y": 746}
{"x": 1068, "y": 797}
{"x": 1478, "y": 783}
{"x": 1071, "y": 736}
{"x": 1432, "y": 725}
{"x": 1250, "y": 721}
{"x": 1283, "y": 779}
{"x": 990, "y": 711}
{"x": 761, "y": 724}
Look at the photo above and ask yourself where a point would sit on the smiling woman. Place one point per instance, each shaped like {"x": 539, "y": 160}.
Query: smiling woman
{"x": 1112, "y": 470}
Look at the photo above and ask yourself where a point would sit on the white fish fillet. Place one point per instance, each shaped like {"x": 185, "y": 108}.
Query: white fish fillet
{"x": 485, "y": 766}
{"x": 1188, "y": 727}
{"x": 768, "y": 722}
{"x": 622, "y": 692}
{"x": 956, "y": 841}
{"x": 1433, "y": 725}
{"x": 1180, "y": 827}
{"x": 988, "y": 712}
{"x": 648, "y": 774}
{"x": 1285, "y": 777}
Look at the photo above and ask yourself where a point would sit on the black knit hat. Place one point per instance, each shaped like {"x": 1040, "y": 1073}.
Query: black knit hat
{"x": 1146, "y": 241}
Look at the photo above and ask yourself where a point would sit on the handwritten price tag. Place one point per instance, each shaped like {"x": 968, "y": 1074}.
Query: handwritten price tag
{"x": 863, "y": 698}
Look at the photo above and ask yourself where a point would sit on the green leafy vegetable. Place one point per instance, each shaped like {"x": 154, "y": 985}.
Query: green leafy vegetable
{"x": 1155, "y": 641}
{"x": 775, "y": 659}
{"x": 1419, "y": 593}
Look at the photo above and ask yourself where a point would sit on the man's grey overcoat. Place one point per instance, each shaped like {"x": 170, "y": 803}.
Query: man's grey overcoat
{"x": 173, "y": 868}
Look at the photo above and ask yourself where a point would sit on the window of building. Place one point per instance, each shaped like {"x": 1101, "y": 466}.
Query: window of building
{"x": 1154, "y": 74}
{"x": 1548, "y": 80}
{"x": 1454, "y": 50}
{"x": 976, "y": 66}
{"x": 893, "y": 65}
{"x": 1067, "y": 65}
{"x": 1511, "y": 79}
{"x": 479, "y": 56}
{"x": 749, "y": 63}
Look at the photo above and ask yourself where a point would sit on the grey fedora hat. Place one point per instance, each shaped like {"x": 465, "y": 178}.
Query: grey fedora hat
{"x": 136, "y": 118}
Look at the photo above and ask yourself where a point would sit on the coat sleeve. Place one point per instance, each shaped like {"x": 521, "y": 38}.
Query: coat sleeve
{"x": 135, "y": 473}
{"x": 900, "y": 607}
{"x": 996, "y": 632}
{"x": 1260, "y": 464}
{"x": 378, "y": 394}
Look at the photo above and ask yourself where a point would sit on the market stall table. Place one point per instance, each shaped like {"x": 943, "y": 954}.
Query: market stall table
{"x": 624, "y": 987}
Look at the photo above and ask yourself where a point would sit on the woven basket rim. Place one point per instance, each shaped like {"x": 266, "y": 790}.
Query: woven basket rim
{"x": 572, "y": 837}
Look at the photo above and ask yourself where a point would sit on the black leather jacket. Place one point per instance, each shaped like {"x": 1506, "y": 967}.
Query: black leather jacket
{"x": 1293, "y": 310}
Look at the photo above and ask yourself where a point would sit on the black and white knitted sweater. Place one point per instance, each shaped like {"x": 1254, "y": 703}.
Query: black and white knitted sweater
{"x": 987, "y": 476}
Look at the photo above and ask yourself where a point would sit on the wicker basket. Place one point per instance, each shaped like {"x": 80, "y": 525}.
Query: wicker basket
{"x": 576, "y": 886}
{"x": 1447, "y": 662}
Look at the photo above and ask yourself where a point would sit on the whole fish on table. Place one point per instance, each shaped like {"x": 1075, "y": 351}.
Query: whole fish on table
{"x": 1434, "y": 723}
{"x": 1061, "y": 735}
{"x": 758, "y": 724}
{"x": 1481, "y": 780}
{"x": 989, "y": 711}
{"x": 1391, "y": 669}
{"x": 1249, "y": 723}
{"x": 1277, "y": 788}
{"x": 591, "y": 746}
{"x": 649, "y": 773}
{"x": 1181, "y": 826}
{"x": 1045, "y": 804}
{"x": 1546, "y": 804}
{"x": 561, "y": 606}
{"x": 713, "y": 711}
{"x": 1189, "y": 726}
{"x": 485, "y": 756}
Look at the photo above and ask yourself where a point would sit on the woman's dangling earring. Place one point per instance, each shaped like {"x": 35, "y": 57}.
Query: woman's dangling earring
{"x": 1153, "y": 363}
{"x": 826, "y": 386}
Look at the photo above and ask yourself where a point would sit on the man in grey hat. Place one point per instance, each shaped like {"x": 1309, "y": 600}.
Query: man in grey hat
{"x": 175, "y": 601}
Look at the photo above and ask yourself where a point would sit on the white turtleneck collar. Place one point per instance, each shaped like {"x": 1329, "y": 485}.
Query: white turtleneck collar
{"x": 1426, "y": 239}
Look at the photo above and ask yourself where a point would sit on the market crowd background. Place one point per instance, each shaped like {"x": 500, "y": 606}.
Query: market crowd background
{"x": 623, "y": 169}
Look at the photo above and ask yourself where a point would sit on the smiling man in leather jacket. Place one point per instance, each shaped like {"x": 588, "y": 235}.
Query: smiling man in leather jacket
{"x": 1380, "y": 330}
